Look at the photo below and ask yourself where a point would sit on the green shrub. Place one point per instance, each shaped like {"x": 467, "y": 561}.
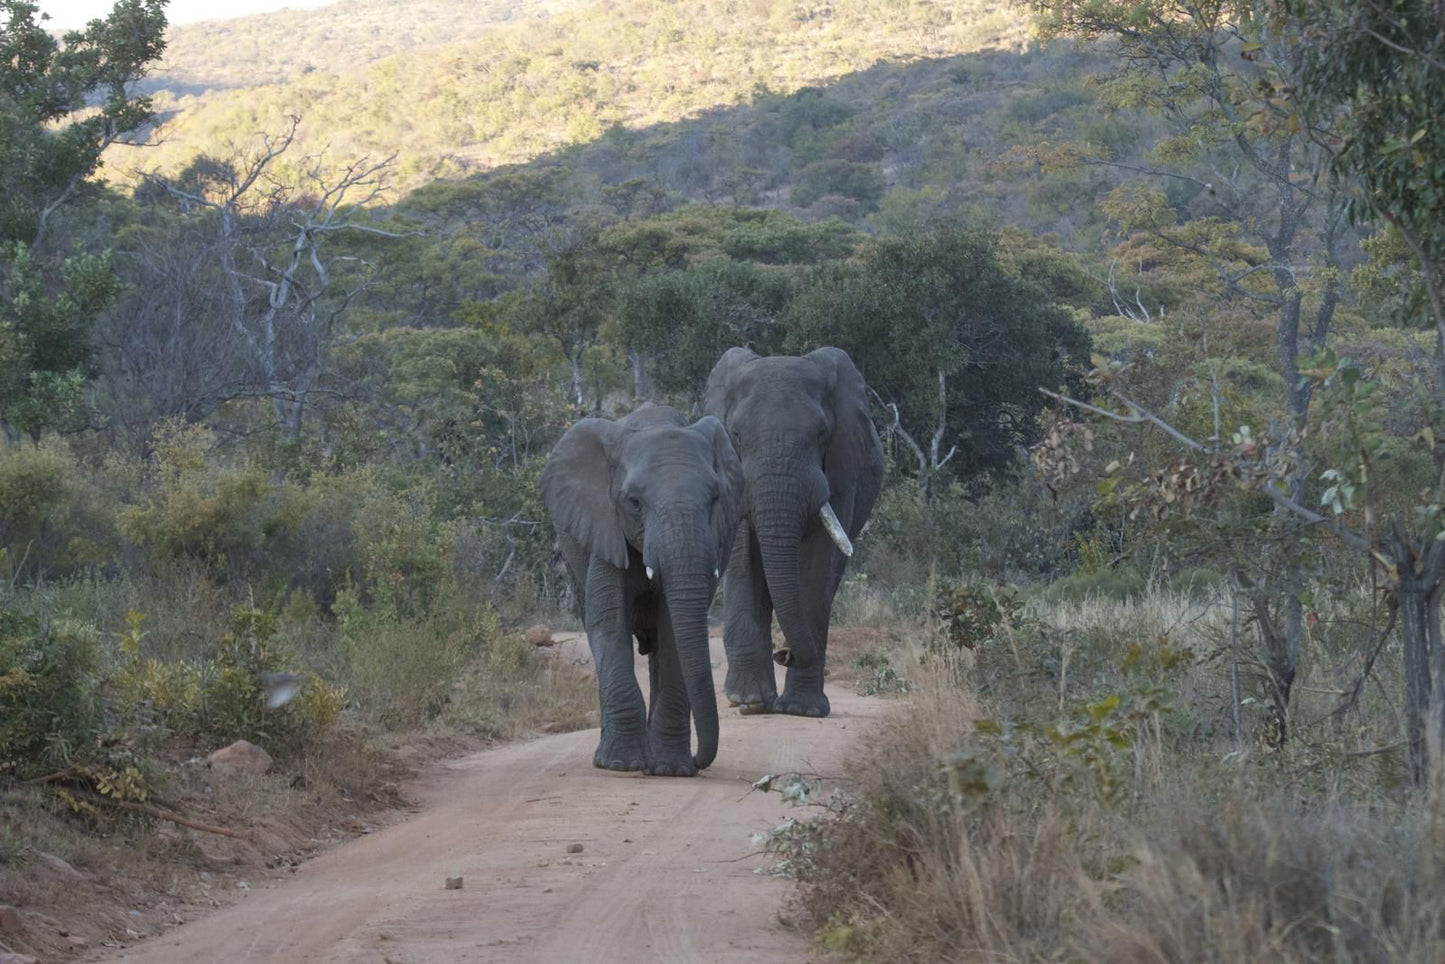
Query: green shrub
{"x": 1120, "y": 583}
{"x": 192, "y": 507}
{"x": 53, "y": 520}
{"x": 50, "y": 674}
{"x": 219, "y": 696}
{"x": 400, "y": 671}
{"x": 860, "y": 182}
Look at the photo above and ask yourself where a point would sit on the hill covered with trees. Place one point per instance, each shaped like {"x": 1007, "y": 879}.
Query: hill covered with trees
{"x": 455, "y": 87}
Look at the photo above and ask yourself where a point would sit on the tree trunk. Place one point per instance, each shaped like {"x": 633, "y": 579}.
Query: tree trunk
{"x": 640, "y": 385}
{"x": 1418, "y": 592}
{"x": 579, "y": 398}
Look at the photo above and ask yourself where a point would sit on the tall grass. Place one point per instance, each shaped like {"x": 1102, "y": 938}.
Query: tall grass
{"x": 1072, "y": 790}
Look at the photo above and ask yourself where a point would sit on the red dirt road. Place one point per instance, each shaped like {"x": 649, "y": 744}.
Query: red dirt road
{"x": 663, "y": 875}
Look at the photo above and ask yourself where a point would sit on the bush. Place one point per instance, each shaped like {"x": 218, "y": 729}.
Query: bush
{"x": 964, "y": 838}
{"x": 1120, "y": 583}
{"x": 220, "y": 695}
{"x": 857, "y": 182}
{"x": 400, "y": 671}
{"x": 50, "y": 675}
{"x": 52, "y": 521}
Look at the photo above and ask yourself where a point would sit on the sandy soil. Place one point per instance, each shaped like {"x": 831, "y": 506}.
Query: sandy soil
{"x": 665, "y": 872}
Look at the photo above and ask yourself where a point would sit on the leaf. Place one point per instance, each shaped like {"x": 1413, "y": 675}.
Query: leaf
{"x": 1102, "y": 709}
{"x": 989, "y": 727}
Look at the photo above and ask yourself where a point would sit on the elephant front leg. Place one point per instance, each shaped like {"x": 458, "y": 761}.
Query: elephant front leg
{"x": 623, "y": 745}
{"x": 747, "y": 628}
{"x": 822, "y": 572}
{"x": 669, "y": 730}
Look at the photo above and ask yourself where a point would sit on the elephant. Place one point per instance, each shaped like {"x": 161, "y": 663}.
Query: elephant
{"x": 813, "y": 467}
{"x": 646, "y": 508}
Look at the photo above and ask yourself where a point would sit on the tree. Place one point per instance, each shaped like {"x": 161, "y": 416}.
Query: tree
{"x": 953, "y": 344}
{"x": 686, "y": 319}
{"x": 62, "y": 103}
{"x": 284, "y": 288}
{"x": 1369, "y": 80}
{"x": 1209, "y": 68}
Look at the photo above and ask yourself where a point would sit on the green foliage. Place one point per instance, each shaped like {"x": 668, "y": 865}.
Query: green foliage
{"x": 49, "y": 141}
{"x": 848, "y": 179}
{"x": 50, "y": 705}
{"x": 971, "y": 614}
{"x": 66, "y": 101}
{"x": 882, "y": 678}
{"x": 1121, "y": 582}
{"x": 463, "y": 89}
{"x": 950, "y": 336}
{"x": 1370, "y": 75}
{"x": 53, "y": 517}
{"x": 400, "y": 670}
{"x": 45, "y": 350}
{"x": 218, "y": 695}
{"x": 687, "y": 319}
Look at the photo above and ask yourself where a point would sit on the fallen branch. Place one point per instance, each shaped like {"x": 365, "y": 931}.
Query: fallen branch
{"x": 173, "y": 818}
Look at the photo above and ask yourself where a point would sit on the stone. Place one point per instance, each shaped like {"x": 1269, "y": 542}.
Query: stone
{"x": 454, "y": 883}
{"x": 241, "y": 757}
{"x": 539, "y": 635}
{"x": 574, "y": 848}
{"x": 10, "y": 920}
{"x": 6, "y": 958}
{"x": 56, "y": 864}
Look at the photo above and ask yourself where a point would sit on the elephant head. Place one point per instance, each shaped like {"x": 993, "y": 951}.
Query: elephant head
{"x": 811, "y": 459}
{"x": 655, "y": 501}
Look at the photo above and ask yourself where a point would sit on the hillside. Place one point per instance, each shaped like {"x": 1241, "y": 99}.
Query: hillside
{"x": 453, "y": 88}
{"x": 276, "y": 48}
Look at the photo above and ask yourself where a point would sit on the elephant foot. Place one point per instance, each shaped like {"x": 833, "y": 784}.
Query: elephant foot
{"x": 673, "y": 766}
{"x": 754, "y": 692}
{"x": 620, "y": 754}
{"x": 802, "y": 704}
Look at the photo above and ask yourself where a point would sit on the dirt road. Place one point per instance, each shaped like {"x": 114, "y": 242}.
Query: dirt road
{"x": 663, "y": 874}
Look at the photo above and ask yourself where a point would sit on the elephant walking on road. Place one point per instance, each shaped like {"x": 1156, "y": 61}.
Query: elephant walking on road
{"x": 813, "y": 467}
{"x": 646, "y": 509}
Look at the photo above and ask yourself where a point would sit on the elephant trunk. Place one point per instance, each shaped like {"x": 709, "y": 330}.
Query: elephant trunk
{"x": 780, "y": 534}
{"x": 687, "y": 600}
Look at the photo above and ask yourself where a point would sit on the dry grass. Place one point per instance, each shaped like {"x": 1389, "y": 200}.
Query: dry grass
{"x": 514, "y": 691}
{"x": 966, "y": 844}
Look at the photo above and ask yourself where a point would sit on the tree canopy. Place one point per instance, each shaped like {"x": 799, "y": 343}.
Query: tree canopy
{"x": 955, "y": 345}
{"x": 62, "y": 103}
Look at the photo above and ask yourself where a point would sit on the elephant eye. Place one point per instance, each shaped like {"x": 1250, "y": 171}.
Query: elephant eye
{"x": 634, "y": 503}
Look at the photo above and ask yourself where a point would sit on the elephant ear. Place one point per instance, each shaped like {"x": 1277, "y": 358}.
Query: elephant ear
{"x": 577, "y": 487}
{"x": 853, "y": 458}
{"x": 718, "y": 394}
{"x": 729, "y": 508}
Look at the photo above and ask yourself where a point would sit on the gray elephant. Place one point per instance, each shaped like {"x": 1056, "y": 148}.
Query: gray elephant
{"x": 814, "y": 466}
{"x": 645, "y": 509}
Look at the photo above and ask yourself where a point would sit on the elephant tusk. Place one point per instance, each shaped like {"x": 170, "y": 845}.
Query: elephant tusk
{"x": 715, "y": 574}
{"x": 649, "y": 572}
{"x": 835, "y": 528}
